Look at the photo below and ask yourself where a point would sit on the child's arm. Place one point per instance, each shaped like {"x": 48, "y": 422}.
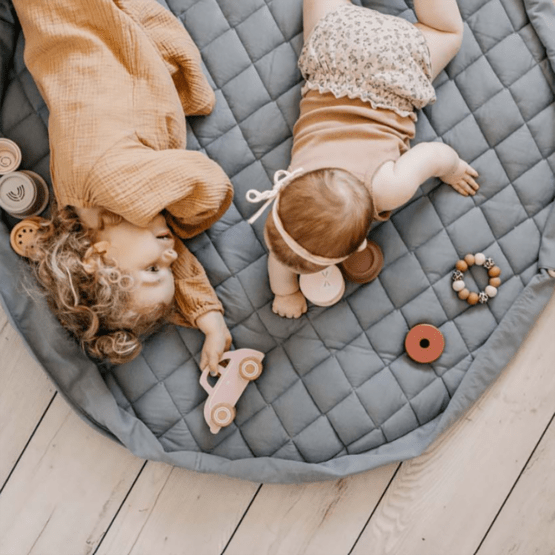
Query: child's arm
{"x": 198, "y": 306}
{"x": 395, "y": 183}
{"x": 284, "y": 283}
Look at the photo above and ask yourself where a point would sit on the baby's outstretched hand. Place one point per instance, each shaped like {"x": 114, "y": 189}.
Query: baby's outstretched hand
{"x": 462, "y": 179}
{"x": 218, "y": 339}
{"x": 290, "y": 306}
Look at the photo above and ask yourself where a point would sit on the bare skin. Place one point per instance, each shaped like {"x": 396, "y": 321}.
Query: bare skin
{"x": 147, "y": 253}
{"x": 395, "y": 182}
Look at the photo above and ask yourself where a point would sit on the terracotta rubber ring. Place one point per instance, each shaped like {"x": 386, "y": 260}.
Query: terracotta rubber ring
{"x": 424, "y": 343}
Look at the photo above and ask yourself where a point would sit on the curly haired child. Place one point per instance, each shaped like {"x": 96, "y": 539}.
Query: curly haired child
{"x": 365, "y": 73}
{"x": 118, "y": 77}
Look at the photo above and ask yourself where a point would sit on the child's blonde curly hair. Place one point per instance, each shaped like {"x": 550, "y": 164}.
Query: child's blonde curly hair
{"x": 94, "y": 306}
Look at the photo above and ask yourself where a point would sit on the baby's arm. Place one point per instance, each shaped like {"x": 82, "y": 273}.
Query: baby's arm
{"x": 395, "y": 183}
{"x": 198, "y": 306}
{"x": 284, "y": 283}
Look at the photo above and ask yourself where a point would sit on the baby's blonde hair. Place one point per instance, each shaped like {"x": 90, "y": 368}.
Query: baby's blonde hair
{"x": 328, "y": 212}
{"x": 93, "y": 306}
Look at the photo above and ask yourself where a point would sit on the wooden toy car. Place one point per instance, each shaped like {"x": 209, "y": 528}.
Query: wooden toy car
{"x": 243, "y": 366}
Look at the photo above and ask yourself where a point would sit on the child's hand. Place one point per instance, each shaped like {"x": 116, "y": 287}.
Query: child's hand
{"x": 462, "y": 179}
{"x": 290, "y": 306}
{"x": 218, "y": 339}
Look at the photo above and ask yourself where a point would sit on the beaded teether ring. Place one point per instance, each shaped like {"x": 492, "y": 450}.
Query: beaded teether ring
{"x": 459, "y": 286}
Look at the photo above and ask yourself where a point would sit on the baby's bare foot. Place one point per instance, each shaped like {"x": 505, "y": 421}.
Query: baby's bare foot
{"x": 290, "y": 306}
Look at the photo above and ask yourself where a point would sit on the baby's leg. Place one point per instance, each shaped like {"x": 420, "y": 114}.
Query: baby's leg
{"x": 440, "y": 22}
{"x": 314, "y": 10}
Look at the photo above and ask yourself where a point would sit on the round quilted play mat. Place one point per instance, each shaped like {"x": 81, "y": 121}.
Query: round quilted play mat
{"x": 338, "y": 394}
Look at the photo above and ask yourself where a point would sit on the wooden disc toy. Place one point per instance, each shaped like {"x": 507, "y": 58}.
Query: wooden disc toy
{"x": 22, "y": 237}
{"x": 424, "y": 343}
{"x": 323, "y": 288}
{"x": 363, "y": 266}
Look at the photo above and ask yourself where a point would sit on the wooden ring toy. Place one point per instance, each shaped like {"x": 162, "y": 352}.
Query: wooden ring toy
{"x": 23, "y": 234}
{"x": 323, "y": 288}
{"x": 471, "y": 297}
{"x": 363, "y": 266}
{"x": 424, "y": 343}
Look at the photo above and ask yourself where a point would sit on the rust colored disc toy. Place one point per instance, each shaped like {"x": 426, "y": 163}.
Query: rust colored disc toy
{"x": 363, "y": 266}
{"x": 424, "y": 343}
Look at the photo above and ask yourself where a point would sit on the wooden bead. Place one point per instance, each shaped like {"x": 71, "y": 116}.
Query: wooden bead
{"x": 463, "y": 295}
{"x": 479, "y": 259}
{"x": 461, "y": 266}
{"x": 495, "y": 281}
{"x": 491, "y": 291}
{"x": 494, "y": 272}
{"x": 469, "y": 259}
{"x": 458, "y": 285}
{"x": 472, "y": 298}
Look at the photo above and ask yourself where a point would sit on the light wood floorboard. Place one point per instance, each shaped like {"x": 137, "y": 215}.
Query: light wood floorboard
{"x": 485, "y": 487}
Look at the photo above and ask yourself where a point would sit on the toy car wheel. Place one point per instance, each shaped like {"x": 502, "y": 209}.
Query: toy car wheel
{"x": 223, "y": 414}
{"x": 250, "y": 368}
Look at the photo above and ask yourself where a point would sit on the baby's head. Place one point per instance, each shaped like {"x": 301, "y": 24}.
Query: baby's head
{"x": 108, "y": 287}
{"x": 328, "y": 212}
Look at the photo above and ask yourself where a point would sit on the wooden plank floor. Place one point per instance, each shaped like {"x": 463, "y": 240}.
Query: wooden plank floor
{"x": 486, "y": 487}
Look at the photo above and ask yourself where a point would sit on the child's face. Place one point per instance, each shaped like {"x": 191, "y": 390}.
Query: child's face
{"x": 146, "y": 253}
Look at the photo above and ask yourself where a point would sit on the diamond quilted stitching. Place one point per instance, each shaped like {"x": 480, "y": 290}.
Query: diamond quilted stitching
{"x": 521, "y": 245}
{"x": 394, "y": 279}
{"x": 512, "y": 48}
{"x": 157, "y": 421}
{"x": 273, "y": 384}
{"x": 236, "y": 12}
{"x": 245, "y": 93}
{"x": 349, "y": 420}
{"x": 288, "y": 16}
{"x": 359, "y": 361}
{"x": 296, "y": 409}
{"x": 504, "y": 211}
{"x": 232, "y": 151}
{"x": 478, "y": 72}
{"x": 476, "y": 326}
{"x": 467, "y": 139}
{"x": 400, "y": 423}
{"x": 449, "y": 109}
{"x": 277, "y": 82}
{"x": 437, "y": 258}
{"x": 388, "y": 336}
{"x": 424, "y": 308}
{"x": 370, "y": 304}
{"x": 544, "y": 135}
{"x": 178, "y": 437}
{"x": 274, "y": 436}
{"x": 254, "y": 129}
{"x": 225, "y": 57}
{"x": 530, "y": 105}
{"x": 332, "y": 335}
{"x": 312, "y": 449}
{"x": 411, "y": 376}
{"x": 455, "y": 349}
{"x": 318, "y": 380}
{"x": 430, "y": 402}
{"x": 205, "y": 22}
{"x": 499, "y": 117}
{"x": 486, "y": 34}
{"x": 305, "y": 349}
{"x": 410, "y": 223}
{"x": 259, "y": 33}
{"x": 518, "y": 152}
